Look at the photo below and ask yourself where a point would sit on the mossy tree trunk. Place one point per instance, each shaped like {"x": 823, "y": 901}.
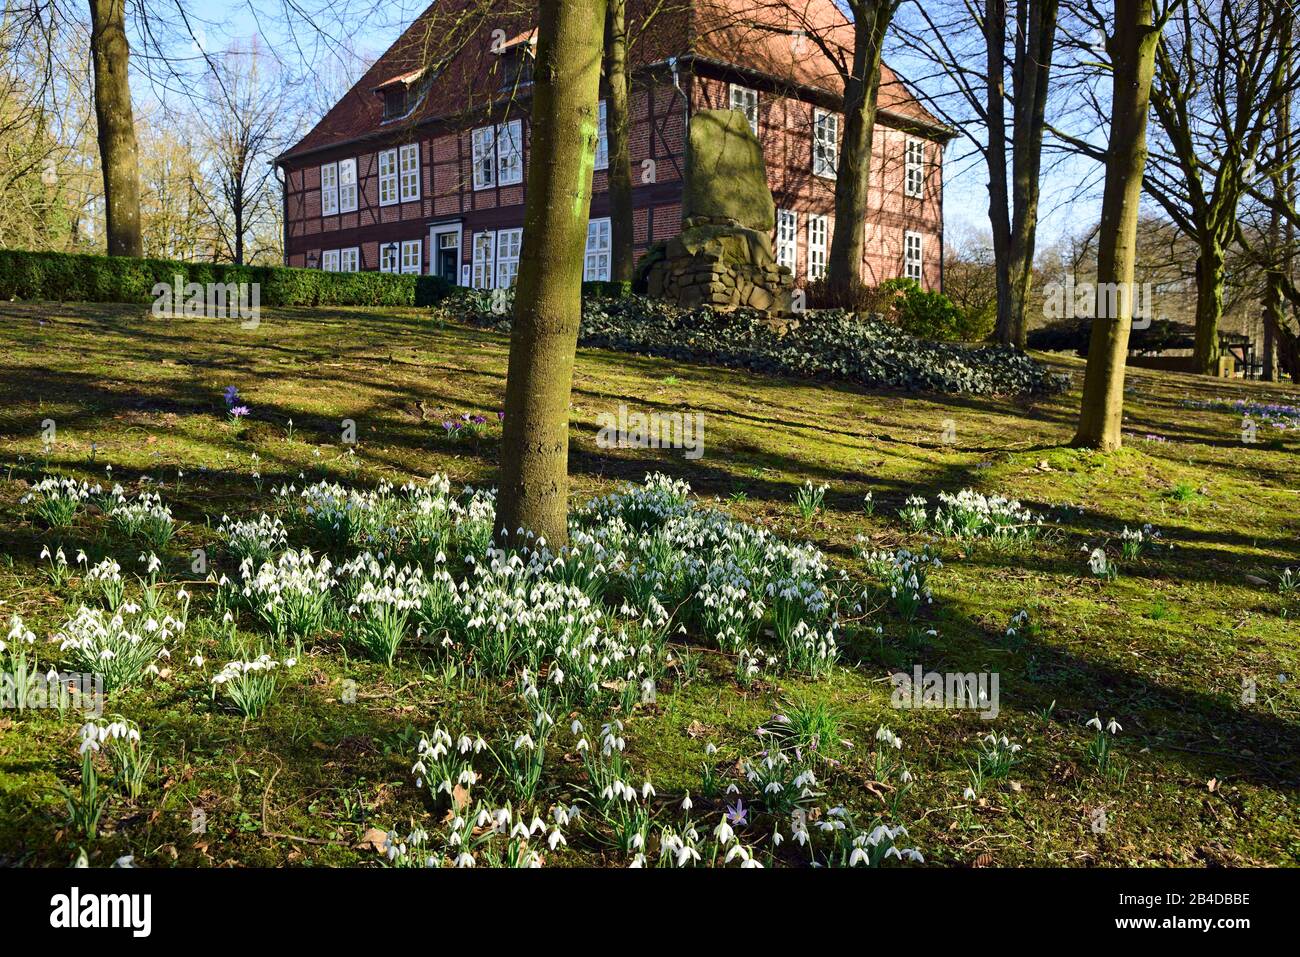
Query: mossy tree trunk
{"x": 533, "y": 494}
{"x": 1132, "y": 45}
{"x": 118, "y": 151}
{"x": 871, "y": 18}
{"x": 1209, "y": 304}
{"x": 617, "y": 126}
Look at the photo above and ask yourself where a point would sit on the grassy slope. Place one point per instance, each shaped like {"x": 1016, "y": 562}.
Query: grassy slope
{"x": 1164, "y": 648}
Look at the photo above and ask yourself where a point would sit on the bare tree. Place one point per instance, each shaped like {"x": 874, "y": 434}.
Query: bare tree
{"x": 1132, "y": 44}
{"x": 1015, "y": 40}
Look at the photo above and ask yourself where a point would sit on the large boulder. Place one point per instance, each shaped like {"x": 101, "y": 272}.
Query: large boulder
{"x": 726, "y": 176}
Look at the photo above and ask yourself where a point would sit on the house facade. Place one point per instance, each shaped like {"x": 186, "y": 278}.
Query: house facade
{"x": 421, "y": 167}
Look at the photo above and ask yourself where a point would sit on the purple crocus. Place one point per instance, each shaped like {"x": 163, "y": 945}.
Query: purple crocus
{"x": 238, "y": 411}
{"x": 738, "y": 814}
{"x": 231, "y": 394}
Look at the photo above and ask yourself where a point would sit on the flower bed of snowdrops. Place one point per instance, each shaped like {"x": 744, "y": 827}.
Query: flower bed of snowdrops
{"x": 584, "y": 634}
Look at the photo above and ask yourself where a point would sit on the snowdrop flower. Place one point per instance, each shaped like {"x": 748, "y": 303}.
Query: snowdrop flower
{"x": 687, "y": 804}
{"x": 723, "y": 831}
{"x": 1094, "y": 722}
{"x": 1113, "y": 726}
{"x": 968, "y": 794}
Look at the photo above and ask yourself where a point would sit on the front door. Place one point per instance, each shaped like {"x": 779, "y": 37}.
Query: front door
{"x": 446, "y": 255}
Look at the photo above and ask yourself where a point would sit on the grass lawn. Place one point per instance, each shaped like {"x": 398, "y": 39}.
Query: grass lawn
{"x": 1191, "y": 646}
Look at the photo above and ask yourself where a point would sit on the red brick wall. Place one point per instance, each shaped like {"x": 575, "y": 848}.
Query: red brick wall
{"x": 657, "y": 146}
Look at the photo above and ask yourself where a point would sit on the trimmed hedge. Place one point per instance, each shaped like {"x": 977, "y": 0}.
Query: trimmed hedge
{"x": 74, "y": 277}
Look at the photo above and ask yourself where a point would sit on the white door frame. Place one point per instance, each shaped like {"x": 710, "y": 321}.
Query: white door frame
{"x": 436, "y": 230}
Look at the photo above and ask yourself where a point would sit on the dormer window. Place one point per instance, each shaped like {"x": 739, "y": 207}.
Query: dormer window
{"x": 402, "y": 94}
{"x": 395, "y": 101}
{"x": 517, "y": 57}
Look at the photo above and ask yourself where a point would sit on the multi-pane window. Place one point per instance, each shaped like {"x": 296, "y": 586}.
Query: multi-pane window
{"x": 485, "y": 157}
{"x": 746, "y": 101}
{"x": 510, "y": 153}
{"x": 411, "y": 255}
{"x": 596, "y": 265}
{"x": 410, "y": 171}
{"x": 826, "y": 132}
{"x": 387, "y": 177}
{"x": 349, "y": 259}
{"x": 329, "y": 260}
{"x": 912, "y": 255}
{"x": 329, "y": 189}
{"x": 787, "y": 238}
{"x": 481, "y": 270}
{"x": 914, "y": 168}
{"x": 602, "y": 137}
{"x": 508, "y": 243}
{"x": 347, "y": 186}
{"x": 498, "y": 155}
{"x": 817, "y": 233}
{"x": 388, "y": 257}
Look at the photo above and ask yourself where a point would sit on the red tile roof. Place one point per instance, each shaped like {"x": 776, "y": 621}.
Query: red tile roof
{"x": 462, "y": 47}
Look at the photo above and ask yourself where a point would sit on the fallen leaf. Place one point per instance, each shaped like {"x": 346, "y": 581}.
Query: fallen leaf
{"x": 373, "y": 840}
{"x": 459, "y": 797}
{"x": 1212, "y": 785}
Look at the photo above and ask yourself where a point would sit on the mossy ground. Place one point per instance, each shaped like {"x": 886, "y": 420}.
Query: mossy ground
{"x": 1203, "y": 776}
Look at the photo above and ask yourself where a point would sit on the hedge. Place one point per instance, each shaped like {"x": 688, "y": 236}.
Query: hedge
{"x": 74, "y": 277}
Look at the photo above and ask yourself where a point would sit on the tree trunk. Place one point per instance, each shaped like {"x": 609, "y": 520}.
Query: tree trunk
{"x": 1033, "y": 66}
{"x": 1209, "y": 305}
{"x": 617, "y": 126}
{"x": 548, "y": 294}
{"x": 995, "y": 40}
{"x": 871, "y": 19}
{"x": 1133, "y": 49}
{"x": 118, "y": 153}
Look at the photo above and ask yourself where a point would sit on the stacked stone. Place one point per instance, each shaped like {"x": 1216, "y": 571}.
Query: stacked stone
{"x": 723, "y": 256}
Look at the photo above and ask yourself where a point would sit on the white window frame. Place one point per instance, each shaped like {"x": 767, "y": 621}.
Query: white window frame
{"x": 745, "y": 99}
{"x": 348, "y": 185}
{"x": 914, "y": 168}
{"x": 329, "y": 260}
{"x": 510, "y": 153}
{"x": 787, "y": 239}
{"x": 598, "y": 257}
{"x": 483, "y": 266}
{"x": 509, "y": 243}
{"x": 329, "y": 189}
{"x": 602, "y": 136}
{"x": 350, "y": 259}
{"x": 389, "y": 257}
{"x": 409, "y": 171}
{"x": 826, "y": 147}
{"x": 435, "y": 246}
{"x": 412, "y": 256}
{"x": 484, "y": 157}
{"x": 913, "y": 263}
{"x": 388, "y": 177}
{"x": 818, "y": 241}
